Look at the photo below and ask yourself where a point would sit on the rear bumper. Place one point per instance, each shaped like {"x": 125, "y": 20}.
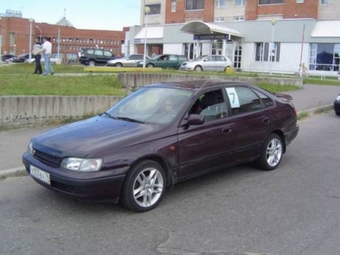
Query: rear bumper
{"x": 291, "y": 134}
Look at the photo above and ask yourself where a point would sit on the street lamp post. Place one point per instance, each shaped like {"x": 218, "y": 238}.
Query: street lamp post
{"x": 0, "y": 42}
{"x": 15, "y": 47}
{"x": 146, "y": 11}
{"x": 272, "y": 46}
{"x": 30, "y": 39}
{"x": 40, "y": 37}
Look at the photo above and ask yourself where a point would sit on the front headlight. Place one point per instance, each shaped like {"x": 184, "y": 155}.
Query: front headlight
{"x": 338, "y": 98}
{"x": 82, "y": 164}
{"x": 30, "y": 149}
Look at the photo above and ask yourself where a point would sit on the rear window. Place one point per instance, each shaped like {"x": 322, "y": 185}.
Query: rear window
{"x": 182, "y": 58}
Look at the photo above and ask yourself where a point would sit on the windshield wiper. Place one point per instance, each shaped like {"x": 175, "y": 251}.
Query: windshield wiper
{"x": 109, "y": 115}
{"x": 130, "y": 119}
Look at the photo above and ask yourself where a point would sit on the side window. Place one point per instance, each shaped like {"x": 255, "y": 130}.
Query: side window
{"x": 133, "y": 57}
{"x": 107, "y": 54}
{"x": 90, "y": 52}
{"x": 210, "y": 105}
{"x": 98, "y": 52}
{"x": 243, "y": 100}
{"x": 220, "y": 58}
{"x": 172, "y": 57}
{"x": 267, "y": 101}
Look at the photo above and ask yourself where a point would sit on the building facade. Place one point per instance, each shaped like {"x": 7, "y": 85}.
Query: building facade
{"x": 285, "y": 36}
{"x": 18, "y": 34}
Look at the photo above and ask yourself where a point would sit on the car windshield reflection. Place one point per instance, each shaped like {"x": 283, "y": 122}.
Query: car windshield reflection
{"x": 151, "y": 105}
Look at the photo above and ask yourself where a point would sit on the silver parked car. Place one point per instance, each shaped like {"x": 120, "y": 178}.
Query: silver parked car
{"x": 207, "y": 63}
{"x": 128, "y": 61}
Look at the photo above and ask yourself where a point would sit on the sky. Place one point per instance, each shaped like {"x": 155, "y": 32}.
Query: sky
{"x": 83, "y": 14}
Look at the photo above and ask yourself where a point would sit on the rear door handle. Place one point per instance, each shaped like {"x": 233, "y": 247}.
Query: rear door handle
{"x": 226, "y": 130}
{"x": 266, "y": 120}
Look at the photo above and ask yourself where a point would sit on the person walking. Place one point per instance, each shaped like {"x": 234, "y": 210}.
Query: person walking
{"x": 47, "y": 50}
{"x": 37, "y": 50}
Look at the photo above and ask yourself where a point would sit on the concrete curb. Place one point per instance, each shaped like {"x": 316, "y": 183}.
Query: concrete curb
{"x": 17, "y": 171}
{"x": 21, "y": 170}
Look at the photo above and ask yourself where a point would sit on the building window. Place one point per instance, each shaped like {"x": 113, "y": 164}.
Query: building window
{"x": 324, "y": 57}
{"x": 194, "y": 5}
{"x": 266, "y": 52}
{"x": 173, "y": 5}
{"x": 239, "y": 2}
{"x": 263, "y": 2}
{"x": 154, "y": 9}
{"x": 323, "y": 2}
{"x": 299, "y": 1}
{"x": 219, "y": 19}
{"x": 220, "y": 3}
{"x": 238, "y": 18}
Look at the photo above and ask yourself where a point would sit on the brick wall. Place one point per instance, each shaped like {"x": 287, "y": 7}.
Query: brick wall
{"x": 20, "y": 27}
{"x": 308, "y": 9}
{"x": 289, "y": 9}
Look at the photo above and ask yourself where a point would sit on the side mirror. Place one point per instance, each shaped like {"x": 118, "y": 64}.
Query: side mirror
{"x": 193, "y": 119}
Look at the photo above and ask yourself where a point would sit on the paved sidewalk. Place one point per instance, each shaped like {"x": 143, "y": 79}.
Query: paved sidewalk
{"x": 14, "y": 143}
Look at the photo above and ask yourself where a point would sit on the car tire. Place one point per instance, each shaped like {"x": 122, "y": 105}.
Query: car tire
{"x": 150, "y": 66}
{"x": 92, "y": 63}
{"x": 271, "y": 154}
{"x": 337, "y": 113}
{"x": 119, "y": 65}
{"x": 144, "y": 186}
{"x": 198, "y": 68}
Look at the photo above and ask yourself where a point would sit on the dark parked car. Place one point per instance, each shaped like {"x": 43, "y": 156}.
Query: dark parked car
{"x": 21, "y": 58}
{"x": 337, "y": 105}
{"x": 160, "y": 135}
{"x": 165, "y": 61}
{"x": 94, "y": 56}
{"x": 7, "y": 57}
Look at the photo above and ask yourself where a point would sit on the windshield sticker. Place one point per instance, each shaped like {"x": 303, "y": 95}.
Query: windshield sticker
{"x": 233, "y": 98}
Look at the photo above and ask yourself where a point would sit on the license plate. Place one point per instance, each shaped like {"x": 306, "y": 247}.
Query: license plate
{"x": 40, "y": 174}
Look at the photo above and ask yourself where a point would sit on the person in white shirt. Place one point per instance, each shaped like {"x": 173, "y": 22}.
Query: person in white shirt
{"x": 47, "y": 50}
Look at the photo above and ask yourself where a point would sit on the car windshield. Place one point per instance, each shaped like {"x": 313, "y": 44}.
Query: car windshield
{"x": 152, "y": 105}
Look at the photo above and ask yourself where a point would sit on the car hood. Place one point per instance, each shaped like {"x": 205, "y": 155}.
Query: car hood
{"x": 90, "y": 137}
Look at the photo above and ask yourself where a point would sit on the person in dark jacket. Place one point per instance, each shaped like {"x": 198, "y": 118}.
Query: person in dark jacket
{"x": 37, "y": 50}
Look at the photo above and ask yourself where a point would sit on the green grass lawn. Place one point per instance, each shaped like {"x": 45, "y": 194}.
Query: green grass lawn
{"x": 17, "y": 79}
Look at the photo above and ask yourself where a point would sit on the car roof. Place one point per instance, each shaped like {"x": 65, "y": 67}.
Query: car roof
{"x": 198, "y": 84}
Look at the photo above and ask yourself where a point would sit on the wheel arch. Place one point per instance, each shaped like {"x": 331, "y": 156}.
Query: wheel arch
{"x": 199, "y": 67}
{"x": 282, "y": 136}
{"x": 169, "y": 173}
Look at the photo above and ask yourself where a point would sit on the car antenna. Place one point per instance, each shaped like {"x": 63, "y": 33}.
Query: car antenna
{"x": 208, "y": 80}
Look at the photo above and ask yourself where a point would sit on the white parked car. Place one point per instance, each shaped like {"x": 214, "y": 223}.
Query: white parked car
{"x": 127, "y": 61}
{"x": 207, "y": 63}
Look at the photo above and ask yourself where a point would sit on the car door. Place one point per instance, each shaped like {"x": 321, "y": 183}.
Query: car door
{"x": 208, "y": 146}
{"x": 220, "y": 63}
{"x": 132, "y": 60}
{"x": 208, "y": 63}
{"x": 252, "y": 121}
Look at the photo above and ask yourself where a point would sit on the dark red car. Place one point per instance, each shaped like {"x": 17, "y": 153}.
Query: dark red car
{"x": 159, "y": 135}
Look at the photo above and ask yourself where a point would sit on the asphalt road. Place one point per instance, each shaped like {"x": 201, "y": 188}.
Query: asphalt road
{"x": 239, "y": 211}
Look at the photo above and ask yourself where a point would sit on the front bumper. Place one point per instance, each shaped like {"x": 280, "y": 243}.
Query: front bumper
{"x": 93, "y": 186}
